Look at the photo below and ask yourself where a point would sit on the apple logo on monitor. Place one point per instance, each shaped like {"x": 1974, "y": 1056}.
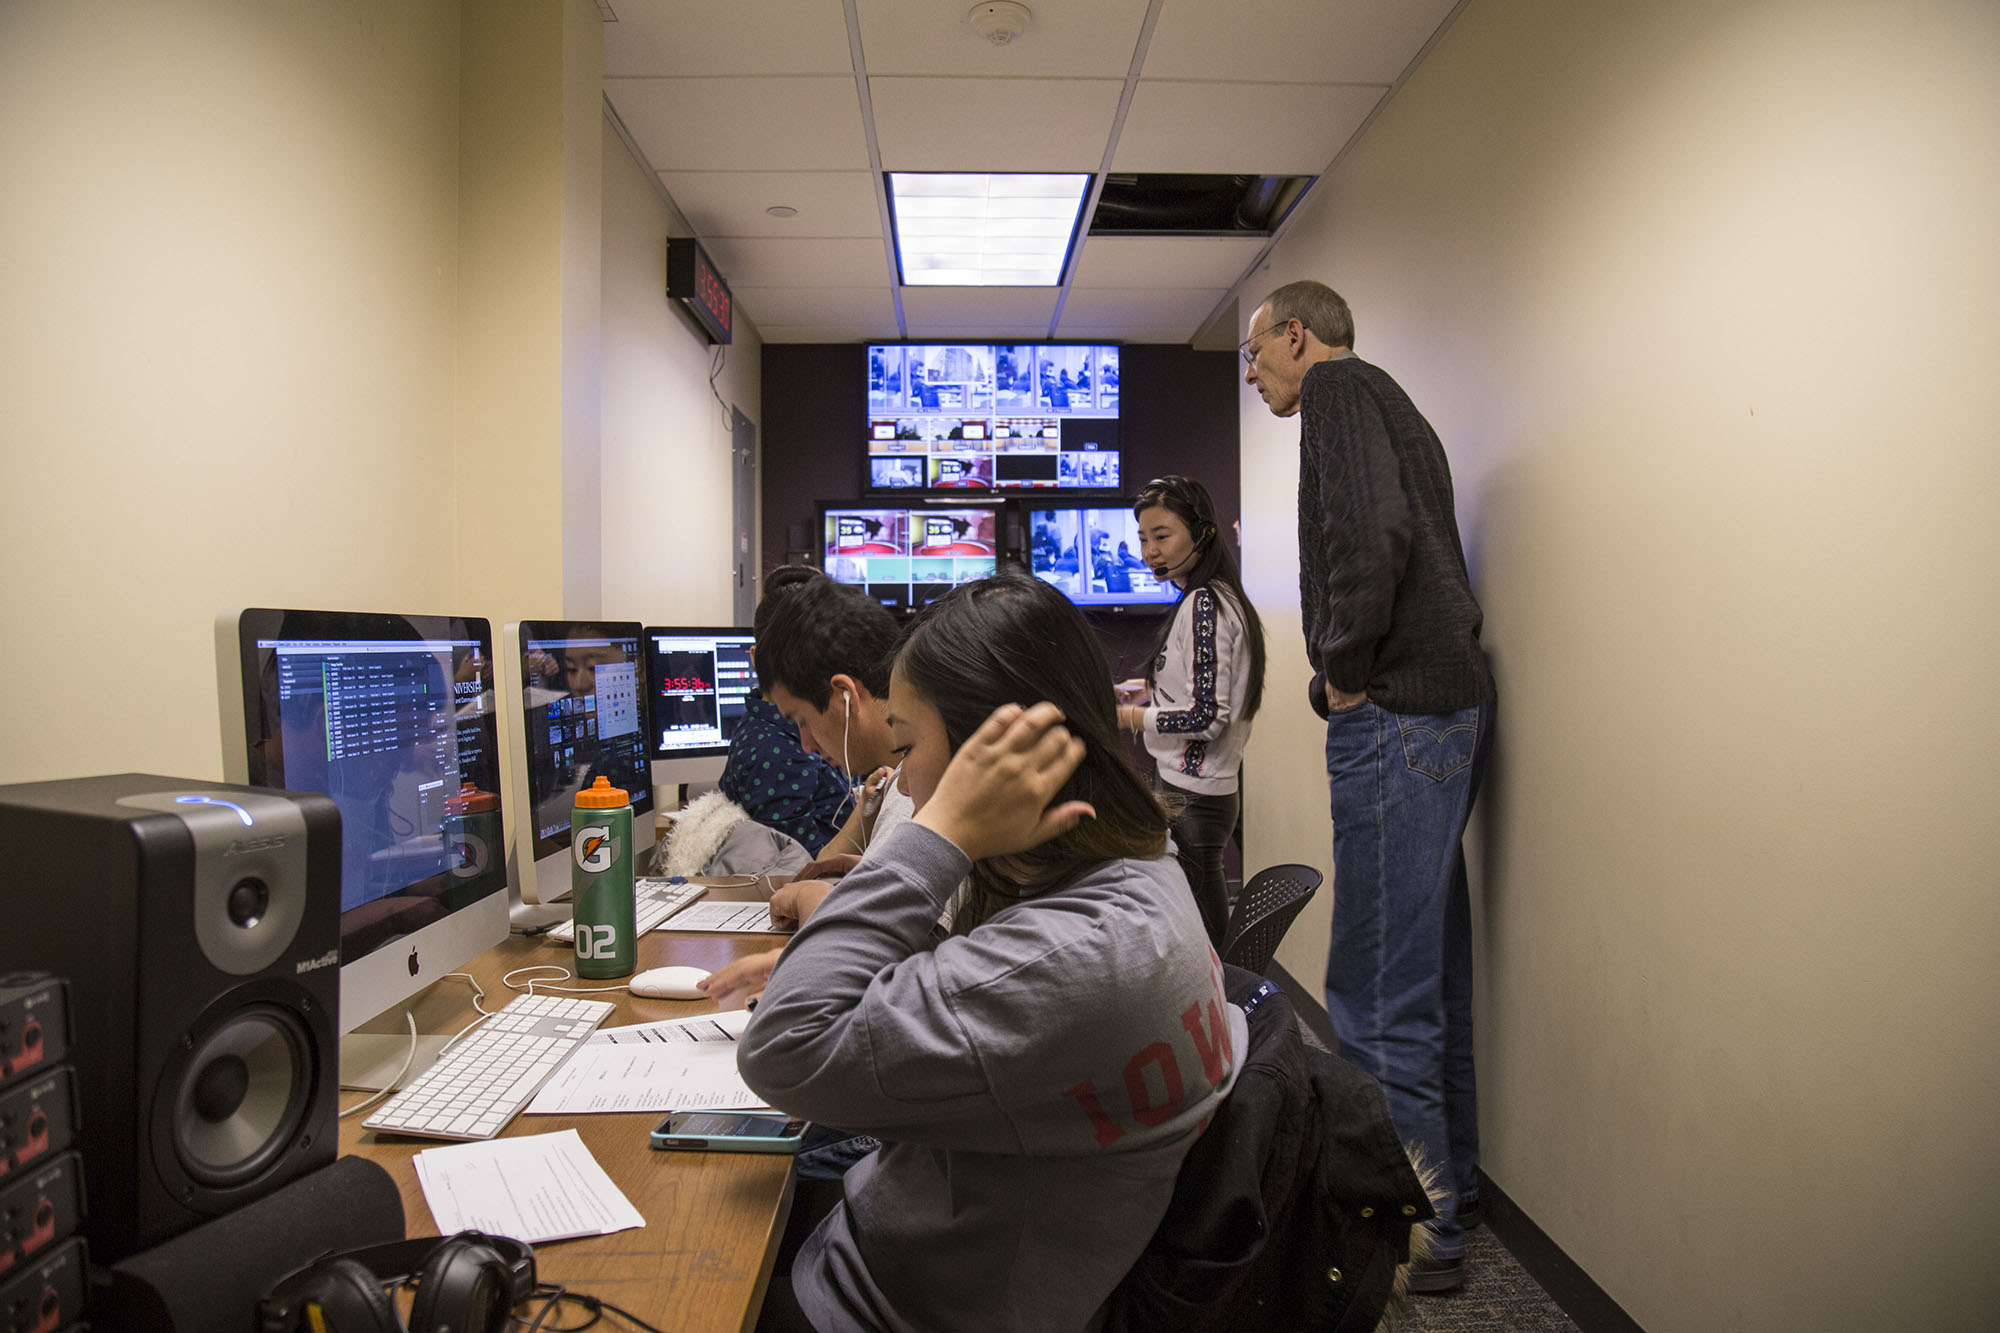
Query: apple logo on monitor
{"x": 413, "y": 962}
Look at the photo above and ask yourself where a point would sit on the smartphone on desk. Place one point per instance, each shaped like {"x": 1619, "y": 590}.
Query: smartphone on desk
{"x": 728, "y": 1131}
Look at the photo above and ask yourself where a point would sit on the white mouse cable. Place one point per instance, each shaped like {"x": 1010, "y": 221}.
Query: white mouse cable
{"x": 564, "y": 975}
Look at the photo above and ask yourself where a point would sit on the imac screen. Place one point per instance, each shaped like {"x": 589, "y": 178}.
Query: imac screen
{"x": 393, "y": 718}
{"x": 584, "y": 716}
{"x": 1092, "y": 554}
{"x": 700, "y": 680}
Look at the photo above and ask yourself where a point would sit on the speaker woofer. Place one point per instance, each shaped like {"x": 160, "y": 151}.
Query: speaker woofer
{"x": 241, "y": 1095}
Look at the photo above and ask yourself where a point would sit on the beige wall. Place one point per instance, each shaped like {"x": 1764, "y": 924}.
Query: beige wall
{"x": 667, "y": 478}
{"x": 1697, "y": 295}
{"x": 529, "y": 171}
{"x": 229, "y": 271}
{"x": 300, "y": 306}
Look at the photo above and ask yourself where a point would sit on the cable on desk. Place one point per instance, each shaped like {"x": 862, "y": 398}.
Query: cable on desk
{"x": 394, "y": 1082}
{"x": 596, "y": 1306}
{"x": 478, "y": 991}
{"x": 565, "y": 975}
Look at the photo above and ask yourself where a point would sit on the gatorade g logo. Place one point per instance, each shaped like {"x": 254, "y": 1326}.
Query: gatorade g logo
{"x": 593, "y": 849}
{"x": 473, "y": 856}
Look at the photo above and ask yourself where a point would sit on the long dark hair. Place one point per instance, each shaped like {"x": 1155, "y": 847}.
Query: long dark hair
{"x": 1188, "y": 500}
{"x": 1014, "y": 639}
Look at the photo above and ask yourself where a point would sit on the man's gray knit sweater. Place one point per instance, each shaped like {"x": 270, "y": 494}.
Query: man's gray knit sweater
{"x": 1383, "y": 592}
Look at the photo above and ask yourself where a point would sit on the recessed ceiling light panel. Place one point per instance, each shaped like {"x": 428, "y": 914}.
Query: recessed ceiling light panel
{"x": 984, "y": 230}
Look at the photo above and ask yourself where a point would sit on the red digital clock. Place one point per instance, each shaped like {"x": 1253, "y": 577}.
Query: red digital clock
{"x": 693, "y": 281}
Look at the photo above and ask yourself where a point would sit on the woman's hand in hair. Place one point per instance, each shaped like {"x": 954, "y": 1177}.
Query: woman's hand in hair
{"x": 993, "y": 799}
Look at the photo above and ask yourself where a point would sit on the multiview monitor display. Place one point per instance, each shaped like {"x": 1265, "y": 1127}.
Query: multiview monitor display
{"x": 905, "y": 558}
{"x": 992, "y": 417}
{"x": 1092, "y": 554}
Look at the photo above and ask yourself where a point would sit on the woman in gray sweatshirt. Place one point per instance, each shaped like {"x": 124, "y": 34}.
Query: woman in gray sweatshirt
{"x": 1037, "y": 1075}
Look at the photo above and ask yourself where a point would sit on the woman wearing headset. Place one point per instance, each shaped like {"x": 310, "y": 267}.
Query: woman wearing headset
{"x": 1205, "y": 678}
{"x": 1036, "y": 1075}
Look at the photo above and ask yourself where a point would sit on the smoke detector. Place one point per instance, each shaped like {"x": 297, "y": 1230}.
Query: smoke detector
{"x": 999, "y": 21}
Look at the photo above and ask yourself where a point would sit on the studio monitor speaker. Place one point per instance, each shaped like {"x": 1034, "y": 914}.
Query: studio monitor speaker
{"x": 199, "y": 927}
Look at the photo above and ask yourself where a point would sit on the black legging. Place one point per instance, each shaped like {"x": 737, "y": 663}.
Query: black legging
{"x": 1201, "y": 829}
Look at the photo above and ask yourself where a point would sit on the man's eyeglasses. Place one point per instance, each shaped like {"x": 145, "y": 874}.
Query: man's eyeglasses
{"x": 1250, "y": 357}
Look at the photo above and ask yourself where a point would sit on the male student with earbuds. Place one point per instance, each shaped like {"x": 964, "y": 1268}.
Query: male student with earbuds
{"x": 1204, "y": 679}
{"x": 823, "y": 661}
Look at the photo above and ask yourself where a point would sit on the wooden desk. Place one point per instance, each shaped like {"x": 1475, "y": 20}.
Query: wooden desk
{"x": 712, "y": 1219}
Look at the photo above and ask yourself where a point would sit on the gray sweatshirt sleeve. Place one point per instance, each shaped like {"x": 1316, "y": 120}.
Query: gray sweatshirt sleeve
{"x": 854, "y": 1028}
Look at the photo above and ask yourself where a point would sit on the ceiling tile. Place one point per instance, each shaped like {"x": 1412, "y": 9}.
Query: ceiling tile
{"x": 732, "y": 203}
{"x": 827, "y": 333}
{"x": 1237, "y": 128}
{"x": 829, "y": 307}
{"x": 1122, "y": 333}
{"x": 978, "y": 312}
{"x": 993, "y": 124}
{"x": 1151, "y": 261}
{"x": 1304, "y": 41}
{"x": 763, "y": 261}
{"x": 930, "y": 37}
{"x": 743, "y": 124}
{"x": 655, "y": 37}
{"x": 1178, "y": 307}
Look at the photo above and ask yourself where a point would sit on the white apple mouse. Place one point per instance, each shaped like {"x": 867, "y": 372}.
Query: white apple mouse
{"x": 668, "y": 983}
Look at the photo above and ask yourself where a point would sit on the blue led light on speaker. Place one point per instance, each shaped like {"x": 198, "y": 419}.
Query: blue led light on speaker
{"x": 241, "y": 813}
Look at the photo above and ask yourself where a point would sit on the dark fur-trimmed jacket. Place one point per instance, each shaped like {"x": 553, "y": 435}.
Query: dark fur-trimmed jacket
{"x": 1294, "y": 1208}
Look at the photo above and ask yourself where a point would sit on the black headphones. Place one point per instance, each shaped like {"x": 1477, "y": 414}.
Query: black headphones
{"x": 468, "y": 1283}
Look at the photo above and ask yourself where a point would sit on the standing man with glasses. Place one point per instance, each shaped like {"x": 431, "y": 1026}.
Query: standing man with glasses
{"x": 1392, "y": 630}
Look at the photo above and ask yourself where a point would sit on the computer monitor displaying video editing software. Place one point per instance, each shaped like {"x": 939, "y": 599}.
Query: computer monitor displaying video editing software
{"x": 576, "y": 697}
{"x": 700, "y": 678}
{"x": 392, "y": 716}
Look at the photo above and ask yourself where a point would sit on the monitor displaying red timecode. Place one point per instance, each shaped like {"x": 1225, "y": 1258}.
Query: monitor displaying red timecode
{"x": 693, "y": 281}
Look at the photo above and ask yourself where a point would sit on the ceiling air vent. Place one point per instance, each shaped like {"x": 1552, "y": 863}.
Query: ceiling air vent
{"x": 1167, "y": 205}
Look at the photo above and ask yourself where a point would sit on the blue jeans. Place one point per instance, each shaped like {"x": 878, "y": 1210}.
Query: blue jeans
{"x": 1399, "y": 972}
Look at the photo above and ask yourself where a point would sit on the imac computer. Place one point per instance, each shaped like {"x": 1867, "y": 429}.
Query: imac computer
{"x": 391, "y": 716}
{"x": 575, "y": 698}
{"x": 700, "y": 680}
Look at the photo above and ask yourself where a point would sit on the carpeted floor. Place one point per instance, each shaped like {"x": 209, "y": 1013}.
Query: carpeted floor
{"x": 1498, "y": 1297}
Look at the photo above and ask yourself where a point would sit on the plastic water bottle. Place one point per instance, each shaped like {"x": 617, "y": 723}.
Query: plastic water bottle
{"x": 600, "y": 848}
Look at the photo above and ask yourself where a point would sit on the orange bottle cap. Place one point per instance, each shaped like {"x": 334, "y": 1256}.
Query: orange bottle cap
{"x": 601, "y": 795}
{"x": 470, "y": 800}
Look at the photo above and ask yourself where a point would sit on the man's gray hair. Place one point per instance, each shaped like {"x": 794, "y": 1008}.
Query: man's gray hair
{"x": 1318, "y": 307}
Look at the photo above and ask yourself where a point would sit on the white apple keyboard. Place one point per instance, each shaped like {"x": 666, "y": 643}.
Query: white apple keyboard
{"x": 653, "y": 901}
{"x": 481, "y": 1083}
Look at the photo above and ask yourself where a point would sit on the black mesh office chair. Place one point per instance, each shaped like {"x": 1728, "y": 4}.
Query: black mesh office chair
{"x": 1264, "y": 911}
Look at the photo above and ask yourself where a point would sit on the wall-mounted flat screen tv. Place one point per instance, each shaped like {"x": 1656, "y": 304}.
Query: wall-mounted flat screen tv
{"x": 993, "y": 417}
{"x": 905, "y": 557}
{"x": 1091, "y": 552}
